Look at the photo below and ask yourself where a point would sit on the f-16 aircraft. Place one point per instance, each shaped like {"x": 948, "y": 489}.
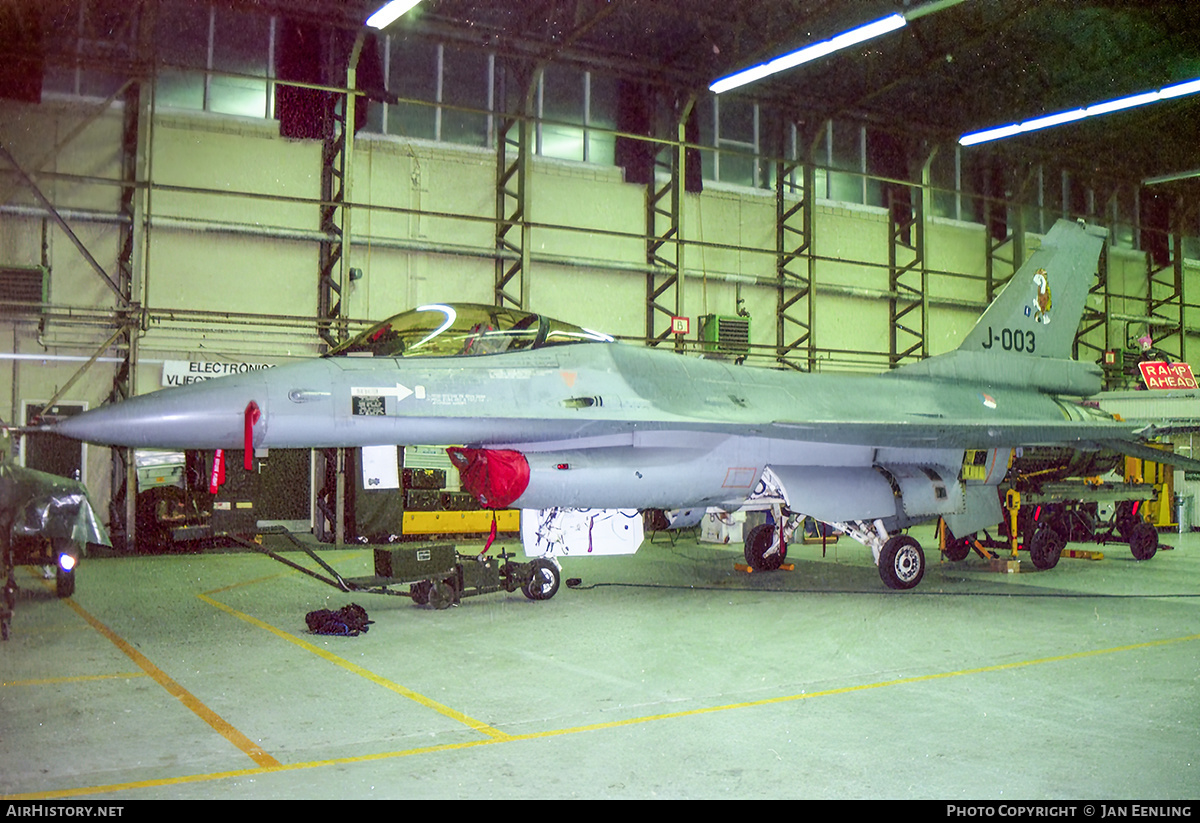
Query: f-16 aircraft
{"x": 546, "y": 415}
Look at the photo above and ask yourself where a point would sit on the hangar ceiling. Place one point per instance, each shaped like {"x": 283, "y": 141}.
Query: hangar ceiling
{"x": 970, "y": 65}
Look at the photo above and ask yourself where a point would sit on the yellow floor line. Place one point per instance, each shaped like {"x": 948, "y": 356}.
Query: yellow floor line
{"x": 902, "y": 681}
{"x": 342, "y": 761}
{"x": 348, "y": 558}
{"x": 82, "y": 678}
{"x": 206, "y": 714}
{"x": 470, "y": 722}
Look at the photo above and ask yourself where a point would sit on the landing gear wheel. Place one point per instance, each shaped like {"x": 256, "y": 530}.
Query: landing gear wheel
{"x": 758, "y": 544}
{"x": 1143, "y": 540}
{"x": 901, "y": 562}
{"x": 543, "y": 581}
{"x": 1046, "y": 547}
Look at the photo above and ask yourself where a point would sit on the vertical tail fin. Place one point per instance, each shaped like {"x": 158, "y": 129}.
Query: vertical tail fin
{"x": 1026, "y": 336}
{"x": 1038, "y": 311}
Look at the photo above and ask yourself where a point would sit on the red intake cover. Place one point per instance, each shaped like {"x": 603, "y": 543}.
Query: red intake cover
{"x": 495, "y": 477}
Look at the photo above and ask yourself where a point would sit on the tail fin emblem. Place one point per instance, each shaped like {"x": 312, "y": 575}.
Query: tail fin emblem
{"x": 1042, "y": 302}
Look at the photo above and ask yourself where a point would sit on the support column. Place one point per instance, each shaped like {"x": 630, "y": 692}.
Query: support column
{"x": 1094, "y": 318}
{"x": 1004, "y": 255}
{"x": 795, "y": 265}
{"x": 908, "y": 306}
{"x": 134, "y": 210}
{"x": 333, "y": 275}
{"x": 1164, "y": 294}
{"x": 337, "y": 162}
{"x": 664, "y": 236}
{"x": 514, "y": 147}
{"x": 1098, "y": 307}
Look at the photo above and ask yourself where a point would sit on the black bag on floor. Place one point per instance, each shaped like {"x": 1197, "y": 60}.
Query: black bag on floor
{"x": 348, "y": 621}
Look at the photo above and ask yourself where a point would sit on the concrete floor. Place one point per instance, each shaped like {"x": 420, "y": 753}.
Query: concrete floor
{"x": 667, "y": 674}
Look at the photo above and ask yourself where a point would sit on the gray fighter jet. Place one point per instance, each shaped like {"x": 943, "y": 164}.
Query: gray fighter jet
{"x": 547, "y": 415}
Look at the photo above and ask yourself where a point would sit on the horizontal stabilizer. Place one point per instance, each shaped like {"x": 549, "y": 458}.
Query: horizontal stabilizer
{"x": 1163, "y": 428}
{"x": 1143, "y": 451}
{"x": 1047, "y": 374}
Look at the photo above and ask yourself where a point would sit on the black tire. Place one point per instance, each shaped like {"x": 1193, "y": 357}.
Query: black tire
{"x": 443, "y": 593}
{"x": 1046, "y": 547}
{"x": 757, "y": 545}
{"x": 901, "y": 562}
{"x": 1143, "y": 540}
{"x": 543, "y": 580}
{"x": 64, "y": 582}
{"x": 957, "y": 548}
{"x": 1125, "y": 519}
{"x": 419, "y": 592}
{"x": 64, "y": 579}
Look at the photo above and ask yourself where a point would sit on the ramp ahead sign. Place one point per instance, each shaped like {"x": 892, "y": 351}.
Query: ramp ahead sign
{"x": 1160, "y": 375}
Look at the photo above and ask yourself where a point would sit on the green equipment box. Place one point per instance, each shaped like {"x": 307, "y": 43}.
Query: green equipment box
{"x": 415, "y": 561}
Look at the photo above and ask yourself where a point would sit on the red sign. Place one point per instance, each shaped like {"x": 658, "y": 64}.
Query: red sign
{"x": 1160, "y": 375}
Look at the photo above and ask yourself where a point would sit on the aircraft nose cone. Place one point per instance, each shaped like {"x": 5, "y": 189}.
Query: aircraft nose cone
{"x": 201, "y": 416}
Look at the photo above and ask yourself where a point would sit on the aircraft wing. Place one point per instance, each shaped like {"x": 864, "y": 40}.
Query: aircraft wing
{"x": 1122, "y": 437}
{"x": 956, "y": 434}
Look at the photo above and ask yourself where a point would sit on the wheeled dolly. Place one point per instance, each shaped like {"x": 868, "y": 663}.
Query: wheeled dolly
{"x": 433, "y": 574}
{"x": 437, "y": 575}
{"x": 1060, "y": 513}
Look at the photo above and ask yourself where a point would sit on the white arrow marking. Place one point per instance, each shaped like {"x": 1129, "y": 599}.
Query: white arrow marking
{"x": 399, "y": 392}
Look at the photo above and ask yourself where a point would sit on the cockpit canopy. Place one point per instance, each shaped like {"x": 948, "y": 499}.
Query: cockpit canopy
{"x": 462, "y": 329}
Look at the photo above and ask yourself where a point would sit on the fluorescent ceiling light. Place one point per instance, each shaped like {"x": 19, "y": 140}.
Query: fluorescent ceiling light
{"x": 809, "y": 53}
{"x": 1107, "y": 107}
{"x": 390, "y": 13}
{"x": 1170, "y": 178}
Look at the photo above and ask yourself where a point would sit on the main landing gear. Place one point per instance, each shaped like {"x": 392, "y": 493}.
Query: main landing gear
{"x": 900, "y": 559}
{"x": 901, "y": 562}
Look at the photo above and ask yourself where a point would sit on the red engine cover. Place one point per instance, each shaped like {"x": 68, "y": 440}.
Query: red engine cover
{"x": 495, "y": 477}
